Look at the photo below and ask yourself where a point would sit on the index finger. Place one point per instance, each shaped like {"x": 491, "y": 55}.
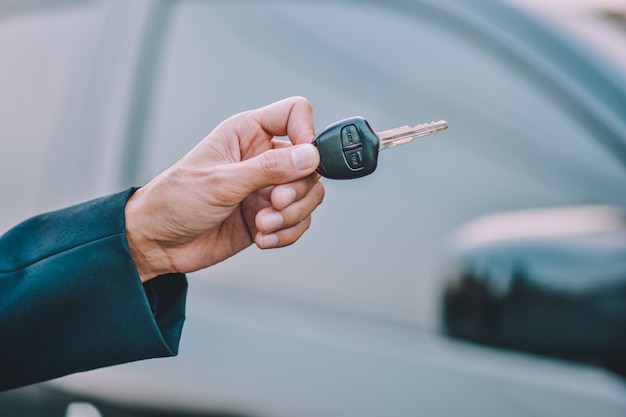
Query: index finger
{"x": 292, "y": 117}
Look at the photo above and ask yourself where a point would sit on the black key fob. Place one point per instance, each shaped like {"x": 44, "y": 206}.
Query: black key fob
{"x": 348, "y": 149}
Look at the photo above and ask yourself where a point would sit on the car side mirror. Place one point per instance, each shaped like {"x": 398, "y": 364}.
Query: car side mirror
{"x": 550, "y": 282}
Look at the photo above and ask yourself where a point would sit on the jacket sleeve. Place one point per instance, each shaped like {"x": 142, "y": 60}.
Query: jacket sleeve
{"x": 71, "y": 298}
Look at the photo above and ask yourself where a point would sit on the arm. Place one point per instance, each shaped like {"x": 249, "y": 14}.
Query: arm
{"x": 71, "y": 299}
{"x": 71, "y": 294}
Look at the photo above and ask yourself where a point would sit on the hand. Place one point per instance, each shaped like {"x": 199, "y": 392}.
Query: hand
{"x": 237, "y": 186}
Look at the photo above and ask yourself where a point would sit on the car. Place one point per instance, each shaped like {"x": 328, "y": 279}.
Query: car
{"x": 102, "y": 95}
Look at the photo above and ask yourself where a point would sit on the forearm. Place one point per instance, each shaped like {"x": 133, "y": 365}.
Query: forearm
{"x": 71, "y": 299}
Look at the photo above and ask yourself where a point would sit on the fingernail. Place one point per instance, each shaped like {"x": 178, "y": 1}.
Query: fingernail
{"x": 272, "y": 221}
{"x": 286, "y": 194}
{"x": 268, "y": 241}
{"x": 304, "y": 156}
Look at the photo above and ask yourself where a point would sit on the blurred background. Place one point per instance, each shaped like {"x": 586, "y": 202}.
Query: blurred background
{"x": 480, "y": 271}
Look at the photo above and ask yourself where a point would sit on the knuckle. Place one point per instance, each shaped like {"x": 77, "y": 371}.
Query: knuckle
{"x": 269, "y": 163}
{"x": 322, "y": 192}
{"x": 302, "y": 101}
{"x": 307, "y": 223}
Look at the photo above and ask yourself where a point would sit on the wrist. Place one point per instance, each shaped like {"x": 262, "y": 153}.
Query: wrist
{"x": 150, "y": 258}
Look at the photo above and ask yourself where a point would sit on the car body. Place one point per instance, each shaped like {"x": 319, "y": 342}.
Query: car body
{"x": 102, "y": 95}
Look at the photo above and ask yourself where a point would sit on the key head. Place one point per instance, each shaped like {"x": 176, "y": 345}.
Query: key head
{"x": 348, "y": 149}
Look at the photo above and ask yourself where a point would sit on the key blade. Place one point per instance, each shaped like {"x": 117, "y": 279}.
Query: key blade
{"x": 406, "y": 134}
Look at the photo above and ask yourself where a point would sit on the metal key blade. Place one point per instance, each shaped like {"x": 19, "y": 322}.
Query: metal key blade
{"x": 406, "y": 134}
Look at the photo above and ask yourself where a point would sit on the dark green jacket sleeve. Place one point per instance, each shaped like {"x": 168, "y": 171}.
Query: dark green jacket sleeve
{"x": 71, "y": 299}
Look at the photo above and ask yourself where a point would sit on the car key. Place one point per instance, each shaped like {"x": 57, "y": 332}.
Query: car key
{"x": 349, "y": 148}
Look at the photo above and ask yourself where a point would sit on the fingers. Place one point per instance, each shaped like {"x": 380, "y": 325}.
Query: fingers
{"x": 285, "y": 194}
{"x": 292, "y": 117}
{"x": 282, "y": 238}
{"x": 278, "y": 228}
{"x": 255, "y": 159}
{"x": 275, "y": 166}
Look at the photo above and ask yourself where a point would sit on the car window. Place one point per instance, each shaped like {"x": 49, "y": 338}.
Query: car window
{"x": 375, "y": 244}
{"x": 46, "y": 55}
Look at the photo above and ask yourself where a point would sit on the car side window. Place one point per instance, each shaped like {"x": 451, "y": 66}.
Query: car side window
{"x": 510, "y": 143}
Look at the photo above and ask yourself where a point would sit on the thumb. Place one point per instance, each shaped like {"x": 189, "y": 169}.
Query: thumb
{"x": 277, "y": 166}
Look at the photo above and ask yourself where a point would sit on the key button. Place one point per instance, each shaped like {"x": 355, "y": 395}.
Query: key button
{"x": 350, "y": 136}
{"x": 355, "y": 158}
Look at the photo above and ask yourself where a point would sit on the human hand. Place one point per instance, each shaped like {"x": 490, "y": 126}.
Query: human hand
{"x": 237, "y": 186}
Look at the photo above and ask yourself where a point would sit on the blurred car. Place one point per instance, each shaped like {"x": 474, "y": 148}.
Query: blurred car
{"x": 99, "y": 95}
